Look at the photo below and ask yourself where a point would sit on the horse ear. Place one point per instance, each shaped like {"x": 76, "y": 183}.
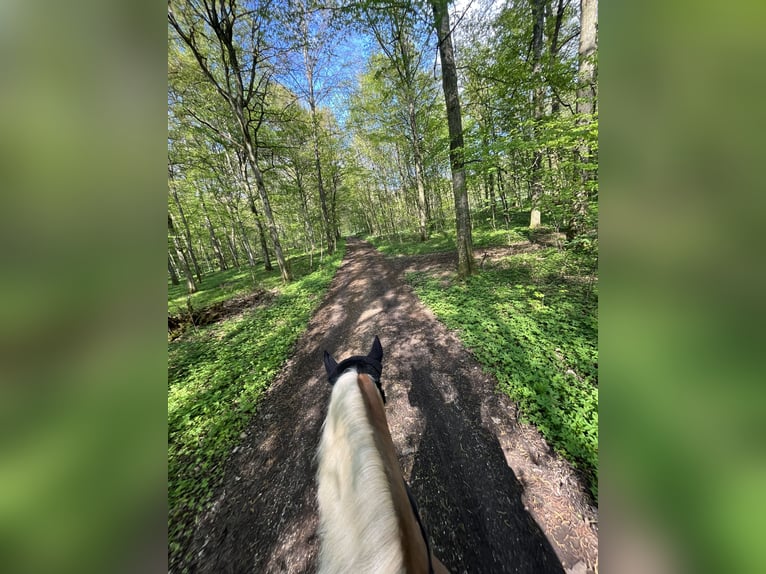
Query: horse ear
{"x": 376, "y": 352}
{"x": 329, "y": 363}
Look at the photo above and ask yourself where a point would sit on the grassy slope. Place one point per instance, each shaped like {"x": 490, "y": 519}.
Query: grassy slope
{"x": 217, "y": 373}
{"x": 532, "y": 322}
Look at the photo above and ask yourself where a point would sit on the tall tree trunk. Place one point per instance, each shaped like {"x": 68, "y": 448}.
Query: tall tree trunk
{"x": 334, "y": 203}
{"x": 206, "y": 255}
{"x": 538, "y": 10}
{"x": 309, "y": 64}
{"x": 226, "y": 233}
{"x": 308, "y": 228}
{"x": 172, "y": 271}
{"x": 187, "y": 233}
{"x": 418, "y": 160}
{"x": 213, "y": 239}
{"x": 244, "y": 240}
{"x": 466, "y": 264}
{"x": 231, "y": 238}
{"x": 262, "y": 236}
{"x": 270, "y": 224}
{"x": 190, "y": 284}
{"x": 554, "y": 47}
{"x": 242, "y": 166}
{"x": 586, "y": 103}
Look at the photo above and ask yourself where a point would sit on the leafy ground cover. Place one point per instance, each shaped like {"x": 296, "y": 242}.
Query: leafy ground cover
{"x": 223, "y": 285}
{"x": 443, "y": 241}
{"x": 217, "y": 373}
{"x": 531, "y": 319}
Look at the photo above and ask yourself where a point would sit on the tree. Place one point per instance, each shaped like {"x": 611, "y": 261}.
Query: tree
{"x": 586, "y": 106}
{"x": 229, "y": 45}
{"x": 466, "y": 264}
{"x": 190, "y": 284}
{"x": 538, "y": 11}
{"x": 314, "y": 36}
{"x": 394, "y": 34}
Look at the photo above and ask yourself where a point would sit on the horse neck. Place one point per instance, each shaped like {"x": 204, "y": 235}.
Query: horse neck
{"x": 413, "y": 545}
{"x": 360, "y": 468}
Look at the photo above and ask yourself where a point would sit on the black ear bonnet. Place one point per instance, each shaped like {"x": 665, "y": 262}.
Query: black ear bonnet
{"x": 364, "y": 364}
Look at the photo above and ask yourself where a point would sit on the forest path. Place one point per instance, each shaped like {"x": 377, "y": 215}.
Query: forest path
{"x": 491, "y": 494}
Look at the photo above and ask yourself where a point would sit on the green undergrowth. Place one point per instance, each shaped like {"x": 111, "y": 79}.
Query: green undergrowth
{"x": 444, "y": 241}
{"x": 483, "y": 235}
{"x": 216, "y": 375}
{"x": 534, "y": 327}
{"x": 223, "y": 285}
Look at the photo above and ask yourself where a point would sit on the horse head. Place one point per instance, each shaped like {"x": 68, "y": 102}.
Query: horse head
{"x": 370, "y": 364}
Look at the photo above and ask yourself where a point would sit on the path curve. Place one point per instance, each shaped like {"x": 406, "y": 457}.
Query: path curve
{"x": 493, "y": 497}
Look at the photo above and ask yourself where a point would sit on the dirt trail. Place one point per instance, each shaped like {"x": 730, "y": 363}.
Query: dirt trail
{"x": 490, "y": 493}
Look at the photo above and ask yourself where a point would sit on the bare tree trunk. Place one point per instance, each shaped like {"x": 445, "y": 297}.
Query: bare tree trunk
{"x": 242, "y": 166}
{"x": 466, "y": 264}
{"x": 206, "y": 255}
{"x": 423, "y": 216}
{"x": 334, "y": 203}
{"x": 243, "y": 236}
{"x": 586, "y": 104}
{"x": 554, "y": 47}
{"x": 213, "y": 239}
{"x": 233, "y": 247}
{"x": 190, "y": 284}
{"x": 538, "y": 9}
{"x": 246, "y": 242}
{"x": 270, "y": 224}
{"x": 187, "y": 233}
{"x": 172, "y": 271}
{"x": 262, "y": 236}
{"x": 310, "y": 62}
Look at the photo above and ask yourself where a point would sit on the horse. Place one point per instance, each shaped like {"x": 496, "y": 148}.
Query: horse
{"x": 368, "y": 519}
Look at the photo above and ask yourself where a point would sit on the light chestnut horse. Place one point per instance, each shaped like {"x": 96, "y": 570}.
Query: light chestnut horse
{"x": 368, "y": 519}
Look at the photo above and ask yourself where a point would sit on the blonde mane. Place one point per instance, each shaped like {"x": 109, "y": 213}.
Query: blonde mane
{"x": 358, "y": 526}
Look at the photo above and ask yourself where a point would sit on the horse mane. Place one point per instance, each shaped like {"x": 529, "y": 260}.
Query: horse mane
{"x": 358, "y": 524}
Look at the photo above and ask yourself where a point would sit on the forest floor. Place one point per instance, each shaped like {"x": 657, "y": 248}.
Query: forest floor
{"x": 492, "y": 494}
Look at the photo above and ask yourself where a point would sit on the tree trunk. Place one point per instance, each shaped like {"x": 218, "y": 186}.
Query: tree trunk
{"x": 538, "y": 10}
{"x": 308, "y": 229}
{"x": 213, "y": 239}
{"x": 187, "y": 233}
{"x": 334, "y": 204}
{"x": 262, "y": 237}
{"x": 466, "y": 265}
{"x": 554, "y": 47}
{"x": 309, "y": 63}
{"x": 242, "y": 163}
{"x": 244, "y": 239}
{"x": 172, "y": 271}
{"x": 206, "y": 255}
{"x": 190, "y": 284}
{"x": 270, "y": 224}
{"x": 422, "y": 205}
{"x": 586, "y": 105}
{"x": 586, "y": 93}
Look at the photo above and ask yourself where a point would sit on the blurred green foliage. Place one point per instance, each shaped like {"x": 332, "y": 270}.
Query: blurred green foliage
{"x": 682, "y": 283}
{"x": 82, "y": 333}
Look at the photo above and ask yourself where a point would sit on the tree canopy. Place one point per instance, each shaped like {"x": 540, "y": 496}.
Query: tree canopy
{"x": 291, "y": 124}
